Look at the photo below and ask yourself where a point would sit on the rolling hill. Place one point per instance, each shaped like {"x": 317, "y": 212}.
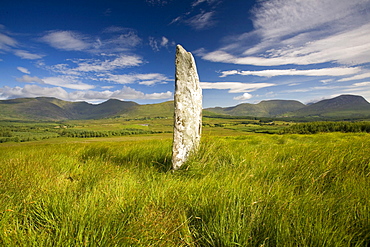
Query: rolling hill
{"x": 270, "y": 108}
{"x": 52, "y": 109}
{"x": 45, "y": 108}
{"x": 344, "y": 106}
{"x": 341, "y": 107}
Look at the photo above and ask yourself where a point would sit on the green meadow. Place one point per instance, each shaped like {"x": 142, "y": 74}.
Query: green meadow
{"x": 252, "y": 183}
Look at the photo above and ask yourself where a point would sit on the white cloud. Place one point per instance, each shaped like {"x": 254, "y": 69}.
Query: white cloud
{"x": 198, "y": 2}
{"x": 338, "y": 71}
{"x": 278, "y": 18}
{"x": 6, "y": 42}
{"x": 64, "y": 81}
{"x": 126, "y": 93}
{"x": 362, "y": 84}
{"x": 30, "y": 79}
{"x": 32, "y": 91}
{"x": 114, "y": 40}
{"x": 154, "y": 44}
{"x": 164, "y": 41}
{"x": 66, "y": 40}
{"x": 199, "y": 18}
{"x": 126, "y": 40}
{"x": 357, "y": 77}
{"x": 67, "y": 83}
{"x": 235, "y": 87}
{"x": 115, "y": 29}
{"x": 302, "y": 32}
{"x": 130, "y": 93}
{"x": 27, "y": 55}
{"x": 245, "y": 96}
{"x": 23, "y": 70}
{"x": 158, "y": 2}
{"x": 327, "y": 81}
{"x": 157, "y": 44}
{"x": 144, "y": 79}
{"x": 202, "y": 20}
{"x": 94, "y": 68}
{"x": 97, "y": 65}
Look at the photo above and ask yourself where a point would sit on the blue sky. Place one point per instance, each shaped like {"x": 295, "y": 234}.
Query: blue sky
{"x": 246, "y": 51}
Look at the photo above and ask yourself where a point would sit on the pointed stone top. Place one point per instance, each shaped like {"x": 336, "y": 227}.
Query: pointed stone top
{"x": 181, "y": 50}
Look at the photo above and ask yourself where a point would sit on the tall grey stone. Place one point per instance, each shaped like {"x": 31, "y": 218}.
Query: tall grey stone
{"x": 188, "y": 108}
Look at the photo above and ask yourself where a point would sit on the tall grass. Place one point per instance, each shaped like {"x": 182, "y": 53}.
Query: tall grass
{"x": 255, "y": 190}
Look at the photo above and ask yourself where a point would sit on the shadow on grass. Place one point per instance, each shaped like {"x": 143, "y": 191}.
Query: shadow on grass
{"x": 139, "y": 157}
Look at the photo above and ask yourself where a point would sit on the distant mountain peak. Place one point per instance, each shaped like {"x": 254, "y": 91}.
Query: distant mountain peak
{"x": 343, "y": 106}
{"x": 265, "y": 108}
{"x": 349, "y": 106}
{"x": 48, "y": 108}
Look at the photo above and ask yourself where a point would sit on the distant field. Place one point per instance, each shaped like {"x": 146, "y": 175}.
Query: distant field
{"x": 241, "y": 189}
{"x": 18, "y": 131}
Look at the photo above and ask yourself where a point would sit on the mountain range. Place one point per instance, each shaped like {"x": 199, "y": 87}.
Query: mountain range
{"x": 341, "y": 107}
{"x": 52, "y": 109}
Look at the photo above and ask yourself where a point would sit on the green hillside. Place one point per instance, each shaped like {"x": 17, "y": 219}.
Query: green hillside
{"x": 44, "y": 108}
{"x": 344, "y": 106}
{"x": 160, "y": 110}
{"x": 338, "y": 108}
{"x": 270, "y": 108}
{"x": 52, "y": 109}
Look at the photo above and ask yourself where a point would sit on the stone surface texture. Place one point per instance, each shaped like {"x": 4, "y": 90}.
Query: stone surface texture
{"x": 188, "y": 108}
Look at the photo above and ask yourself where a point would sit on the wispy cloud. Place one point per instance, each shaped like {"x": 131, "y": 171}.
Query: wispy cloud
{"x": 66, "y": 40}
{"x": 23, "y": 70}
{"x": 114, "y": 29}
{"x": 302, "y": 33}
{"x": 122, "y": 40}
{"x": 243, "y": 97}
{"x": 337, "y": 71}
{"x": 61, "y": 81}
{"x": 362, "y": 84}
{"x": 235, "y": 87}
{"x": 158, "y": 2}
{"x": 113, "y": 39}
{"x": 198, "y": 18}
{"x": 94, "y": 67}
{"x": 32, "y": 91}
{"x": 126, "y": 93}
{"x": 143, "y": 79}
{"x": 98, "y": 65}
{"x": 30, "y": 79}
{"x": 357, "y": 77}
{"x": 75, "y": 72}
{"x": 7, "y": 42}
{"x": 202, "y": 20}
{"x": 27, "y": 55}
{"x": 158, "y": 44}
{"x": 198, "y": 2}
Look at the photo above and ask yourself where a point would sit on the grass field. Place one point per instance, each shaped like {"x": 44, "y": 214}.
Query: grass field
{"x": 240, "y": 189}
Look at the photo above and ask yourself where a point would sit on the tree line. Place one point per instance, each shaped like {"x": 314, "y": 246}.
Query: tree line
{"x": 324, "y": 127}
{"x": 23, "y": 134}
{"x": 109, "y": 133}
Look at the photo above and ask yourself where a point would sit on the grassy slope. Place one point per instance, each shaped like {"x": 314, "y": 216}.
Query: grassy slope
{"x": 269, "y": 108}
{"x": 341, "y": 107}
{"x": 160, "y": 110}
{"x": 249, "y": 190}
{"x": 51, "y": 109}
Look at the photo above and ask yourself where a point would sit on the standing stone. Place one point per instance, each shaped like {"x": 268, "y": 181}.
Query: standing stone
{"x": 188, "y": 108}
